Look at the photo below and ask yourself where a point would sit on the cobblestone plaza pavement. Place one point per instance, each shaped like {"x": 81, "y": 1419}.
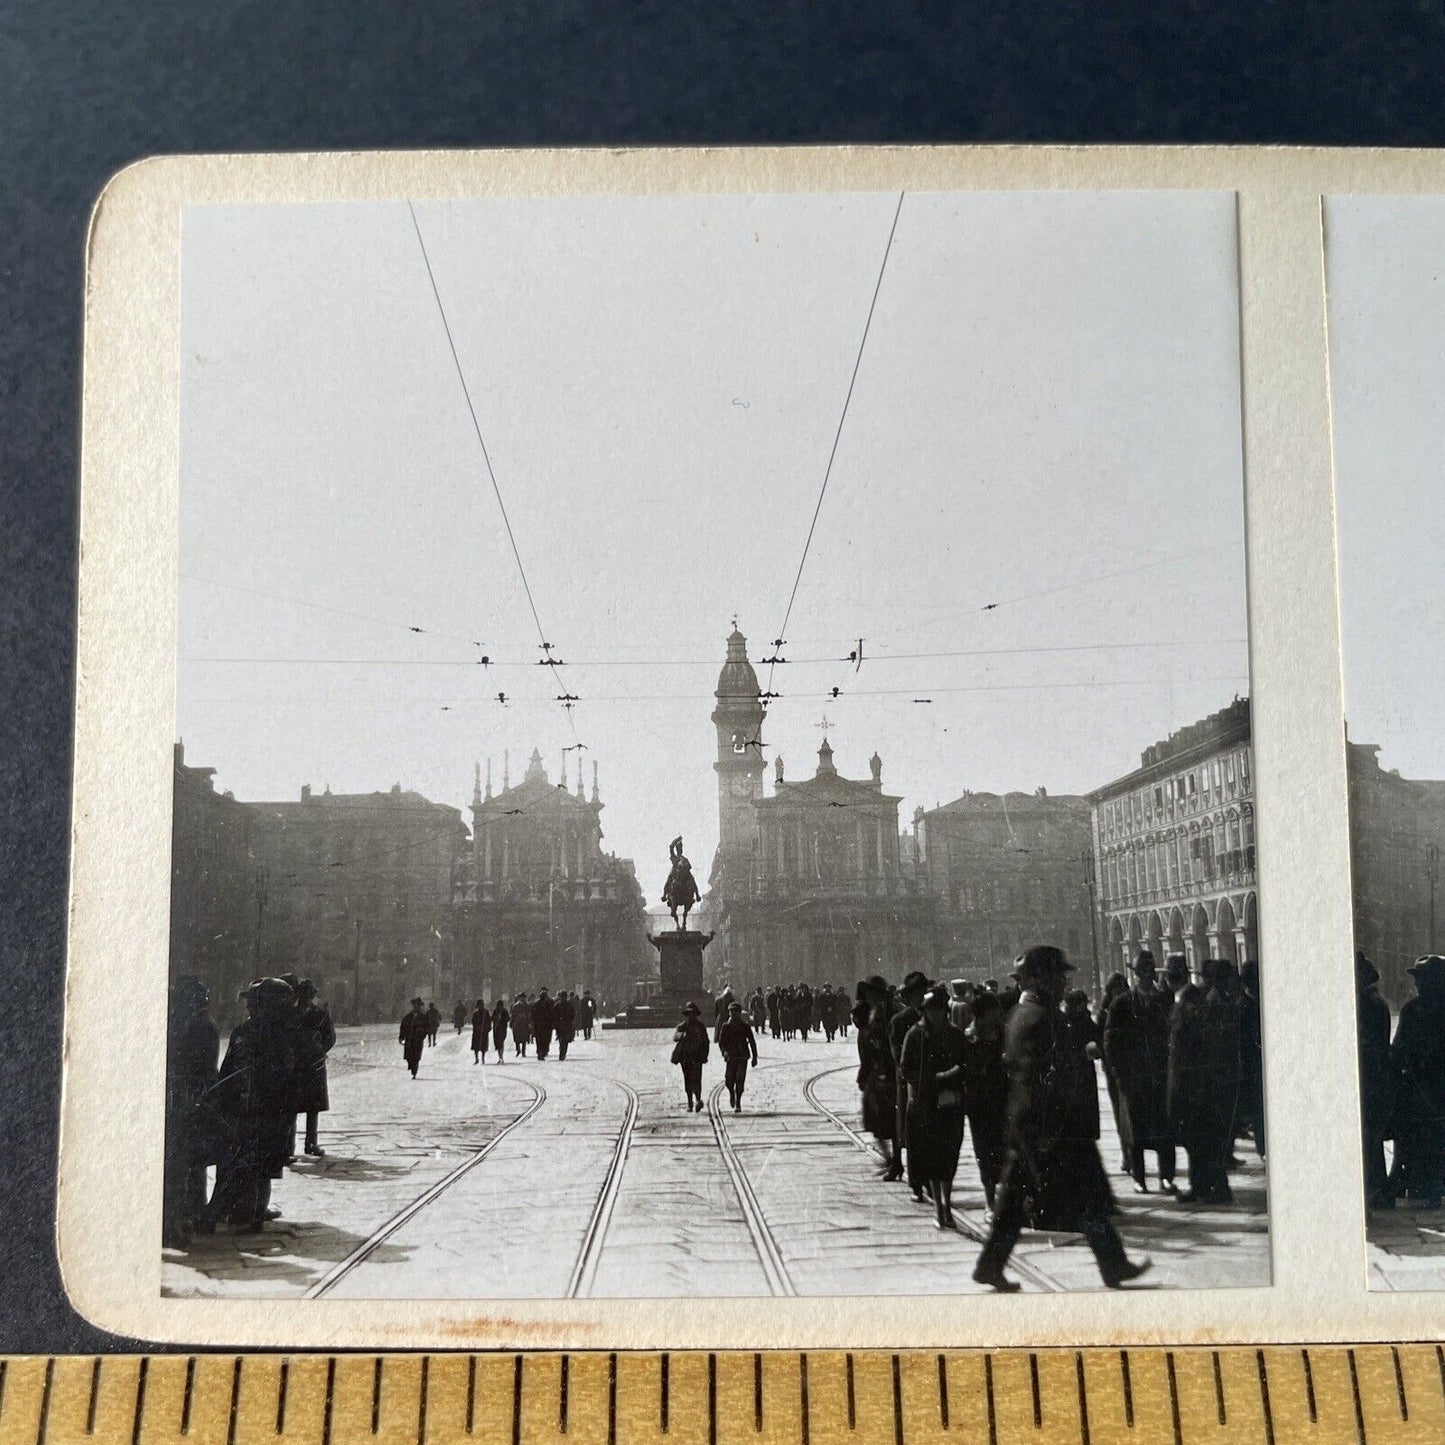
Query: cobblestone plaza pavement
{"x": 598, "y": 1182}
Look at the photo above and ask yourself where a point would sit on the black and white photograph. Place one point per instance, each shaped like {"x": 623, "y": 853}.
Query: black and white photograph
{"x": 1387, "y": 365}
{"x": 713, "y": 756}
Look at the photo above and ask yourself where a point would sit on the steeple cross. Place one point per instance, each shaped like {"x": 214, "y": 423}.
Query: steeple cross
{"x": 824, "y": 724}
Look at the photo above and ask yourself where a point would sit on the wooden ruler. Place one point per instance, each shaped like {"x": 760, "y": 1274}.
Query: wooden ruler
{"x": 1366, "y": 1395}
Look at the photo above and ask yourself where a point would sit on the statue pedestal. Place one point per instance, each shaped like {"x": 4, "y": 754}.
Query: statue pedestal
{"x": 679, "y": 953}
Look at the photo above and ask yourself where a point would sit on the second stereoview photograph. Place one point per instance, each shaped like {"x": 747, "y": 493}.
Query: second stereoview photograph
{"x": 712, "y": 751}
{"x": 1387, "y": 368}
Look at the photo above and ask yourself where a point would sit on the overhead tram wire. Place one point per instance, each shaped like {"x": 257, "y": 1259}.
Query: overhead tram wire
{"x": 546, "y": 660}
{"x": 780, "y": 640}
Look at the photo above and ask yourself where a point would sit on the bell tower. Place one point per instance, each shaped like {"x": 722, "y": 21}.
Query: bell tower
{"x": 738, "y": 719}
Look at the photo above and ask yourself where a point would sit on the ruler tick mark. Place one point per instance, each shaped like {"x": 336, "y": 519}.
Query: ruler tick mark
{"x": 140, "y": 1401}
{"x": 1309, "y": 1387}
{"x": 235, "y": 1402}
{"x": 187, "y": 1394}
{"x": 1264, "y": 1397}
{"x": 421, "y": 1400}
{"x": 562, "y": 1398}
{"x": 803, "y": 1394}
{"x": 988, "y": 1394}
{"x": 471, "y": 1393}
{"x": 94, "y": 1392}
{"x": 1128, "y": 1384}
{"x": 1400, "y": 1384}
{"x": 517, "y": 1400}
{"x": 376, "y": 1396}
{"x": 1359, "y": 1404}
{"x": 712, "y": 1400}
{"x": 1218, "y": 1388}
{"x": 943, "y": 1392}
{"x": 45, "y": 1403}
{"x": 757, "y": 1392}
{"x": 612, "y": 1399}
{"x": 663, "y": 1386}
{"x": 281, "y": 1397}
{"x": 1034, "y": 1388}
{"x": 852, "y": 1401}
{"x": 1173, "y": 1396}
{"x": 1083, "y": 1399}
{"x": 897, "y": 1403}
{"x": 330, "y": 1401}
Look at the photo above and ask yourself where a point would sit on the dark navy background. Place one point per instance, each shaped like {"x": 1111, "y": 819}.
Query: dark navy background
{"x": 85, "y": 88}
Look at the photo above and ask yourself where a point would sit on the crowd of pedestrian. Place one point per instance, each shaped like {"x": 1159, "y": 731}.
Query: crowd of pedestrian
{"x": 536, "y": 1022}
{"x": 1402, "y": 1086}
{"x": 793, "y": 1011}
{"x": 1016, "y": 1067}
{"x": 240, "y": 1117}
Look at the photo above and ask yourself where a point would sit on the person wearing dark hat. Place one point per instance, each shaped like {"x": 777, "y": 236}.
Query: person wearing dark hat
{"x": 1377, "y": 1081}
{"x": 460, "y": 1015}
{"x": 1417, "y": 1057}
{"x": 192, "y": 1047}
{"x": 932, "y": 1064}
{"x": 433, "y": 1022}
{"x": 318, "y": 1038}
{"x": 1115, "y": 986}
{"x": 690, "y": 1048}
{"x": 587, "y": 1013}
{"x": 877, "y": 1072}
{"x": 255, "y": 1097}
{"x": 564, "y": 1020}
{"x": 1136, "y": 1047}
{"x": 413, "y": 1034}
{"x": 739, "y": 1047}
{"x": 774, "y": 1002}
{"x": 909, "y": 1013}
{"x": 481, "y": 1031}
{"x": 1047, "y": 1160}
{"x": 544, "y": 1019}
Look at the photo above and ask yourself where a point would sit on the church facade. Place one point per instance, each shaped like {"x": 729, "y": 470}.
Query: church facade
{"x": 809, "y": 882}
{"x": 537, "y": 902}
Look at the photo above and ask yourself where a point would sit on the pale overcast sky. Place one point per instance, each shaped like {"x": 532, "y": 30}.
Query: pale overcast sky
{"x": 1385, "y": 256}
{"x": 1046, "y": 418}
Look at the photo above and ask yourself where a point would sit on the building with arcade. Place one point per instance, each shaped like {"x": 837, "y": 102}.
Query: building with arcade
{"x": 1174, "y": 844}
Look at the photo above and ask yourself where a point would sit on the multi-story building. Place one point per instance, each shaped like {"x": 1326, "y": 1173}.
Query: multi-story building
{"x": 355, "y": 891}
{"x": 809, "y": 882}
{"x": 1174, "y": 840}
{"x": 1397, "y": 834}
{"x": 217, "y": 895}
{"x": 538, "y": 901}
{"x": 1009, "y": 870}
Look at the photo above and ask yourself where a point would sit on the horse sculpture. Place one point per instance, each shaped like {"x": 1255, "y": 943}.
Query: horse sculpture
{"x": 680, "y": 890}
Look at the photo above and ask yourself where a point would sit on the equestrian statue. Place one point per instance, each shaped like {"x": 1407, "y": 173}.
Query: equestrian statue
{"x": 680, "y": 890}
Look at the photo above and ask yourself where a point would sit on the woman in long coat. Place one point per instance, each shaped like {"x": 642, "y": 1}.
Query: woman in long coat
{"x": 1115, "y": 986}
{"x": 521, "y": 1024}
{"x": 932, "y": 1065}
{"x": 500, "y": 1019}
{"x": 481, "y": 1031}
{"x": 690, "y": 1048}
{"x": 985, "y": 1089}
{"x": 877, "y": 1072}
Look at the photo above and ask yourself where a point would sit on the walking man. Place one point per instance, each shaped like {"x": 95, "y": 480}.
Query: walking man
{"x": 521, "y": 1025}
{"x": 690, "y": 1048}
{"x": 500, "y": 1019}
{"x": 587, "y": 1013}
{"x": 1047, "y": 1157}
{"x": 543, "y": 1020}
{"x": 739, "y": 1046}
{"x": 412, "y": 1035}
{"x": 433, "y": 1022}
{"x": 318, "y": 1038}
{"x": 564, "y": 1017}
{"x": 1136, "y": 1047}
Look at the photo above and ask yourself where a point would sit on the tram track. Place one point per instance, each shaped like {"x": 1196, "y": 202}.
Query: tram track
{"x": 965, "y": 1225}
{"x": 775, "y": 1270}
{"x": 584, "y": 1272}
{"x": 377, "y": 1238}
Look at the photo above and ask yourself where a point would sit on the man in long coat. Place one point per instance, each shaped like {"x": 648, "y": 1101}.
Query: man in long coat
{"x": 521, "y": 1025}
{"x": 544, "y": 1019}
{"x": 412, "y": 1035}
{"x": 318, "y": 1038}
{"x": 587, "y": 1013}
{"x": 1418, "y": 1059}
{"x": 192, "y": 1047}
{"x": 564, "y": 1020}
{"x": 1377, "y": 1084}
{"x": 1048, "y": 1162}
{"x": 1136, "y": 1045}
{"x": 1192, "y": 1089}
{"x": 915, "y": 985}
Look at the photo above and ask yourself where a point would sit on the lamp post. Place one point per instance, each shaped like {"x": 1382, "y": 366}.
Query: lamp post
{"x": 1091, "y": 882}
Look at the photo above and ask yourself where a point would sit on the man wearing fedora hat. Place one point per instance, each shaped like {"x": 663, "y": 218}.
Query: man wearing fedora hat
{"x": 1050, "y": 1163}
{"x": 1417, "y": 1058}
{"x": 910, "y": 1012}
{"x": 1136, "y": 1049}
